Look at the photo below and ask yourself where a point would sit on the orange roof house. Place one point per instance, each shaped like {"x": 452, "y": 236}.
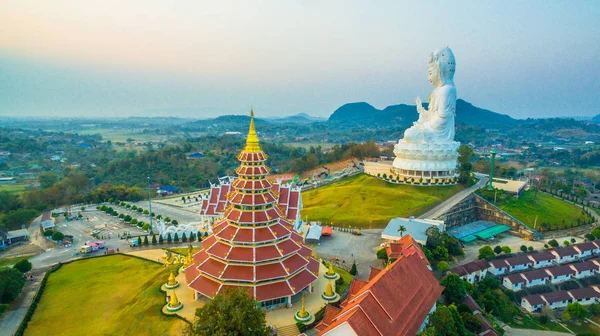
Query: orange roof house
{"x": 254, "y": 245}
{"x": 395, "y": 301}
{"x": 404, "y": 247}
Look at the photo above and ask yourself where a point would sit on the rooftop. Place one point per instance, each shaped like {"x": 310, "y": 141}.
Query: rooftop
{"x": 414, "y": 226}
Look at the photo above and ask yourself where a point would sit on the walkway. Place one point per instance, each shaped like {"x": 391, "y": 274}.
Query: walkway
{"x": 18, "y": 308}
{"x": 440, "y": 209}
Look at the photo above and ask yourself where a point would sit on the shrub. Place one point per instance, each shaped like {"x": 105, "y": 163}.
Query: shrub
{"x": 146, "y": 227}
{"x": 566, "y": 242}
{"x": 167, "y": 219}
{"x": 146, "y": 212}
{"x": 127, "y": 218}
{"x": 56, "y": 236}
{"x": 589, "y": 236}
{"x": 573, "y": 240}
{"x": 158, "y": 217}
{"x": 553, "y": 243}
{"x": 443, "y": 266}
{"x": 140, "y": 210}
{"x": 174, "y": 222}
{"x": 183, "y": 238}
{"x": 176, "y": 238}
{"x": 498, "y": 249}
{"x": 23, "y": 266}
{"x": 160, "y": 239}
{"x": 134, "y": 207}
{"x": 353, "y": 270}
{"x": 486, "y": 252}
{"x": 382, "y": 254}
{"x": 301, "y": 327}
{"x": 154, "y": 240}
{"x": 134, "y": 221}
{"x": 169, "y": 239}
{"x": 48, "y": 233}
{"x": 128, "y": 206}
{"x": 506, "y": 249}
{"x": 122, "y": 216}
{"x": 523, "y": 248}
{"x": 146, "y": 240}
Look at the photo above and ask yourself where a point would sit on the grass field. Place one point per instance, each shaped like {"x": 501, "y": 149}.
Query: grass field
{"x": 363, "y": 200}
{"x": 546, "y": 208}
{"x": 12, "y": 188}
{"x": 4, "y": 262}
{"x": 346, "y": 276}
{"x": 114, "y": 295}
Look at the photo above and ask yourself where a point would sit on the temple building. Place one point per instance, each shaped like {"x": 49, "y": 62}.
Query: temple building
{"x": 253, "y": 246}
{"x": 395, "y": 301}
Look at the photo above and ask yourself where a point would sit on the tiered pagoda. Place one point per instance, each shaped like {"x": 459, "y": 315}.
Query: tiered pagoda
{"x": 254, "y": 245}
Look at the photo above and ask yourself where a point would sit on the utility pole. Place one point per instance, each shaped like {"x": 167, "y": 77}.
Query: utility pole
{"x": 493, "y": 152}
{"x": 150, "y": 205}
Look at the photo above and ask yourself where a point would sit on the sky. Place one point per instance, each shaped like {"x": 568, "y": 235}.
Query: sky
{"x": 207, "y": 58}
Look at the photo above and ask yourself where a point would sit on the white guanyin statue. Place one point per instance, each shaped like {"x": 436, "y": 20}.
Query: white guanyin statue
{"x": 437, "y": 123}
{"x": 428, "y": 151}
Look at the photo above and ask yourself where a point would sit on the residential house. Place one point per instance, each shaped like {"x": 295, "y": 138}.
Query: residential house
{"x": 558, "y": 299}
{"x": 536, "y": 277}
{"x": 498, "y": 267}
{"x": 586, "y": 249}
{"x": 403, "y": 247}
{"x": 47, "y": 222}
{"x": 518, "y": 263}
{"x": 533, "y": 303}
{"x": 514, "y": 282}
{"x": 585, "y": 296}
{"x": 542, "y": 259}
{"x": 560, "y": 273}
{"x": 565, "y": 254}
{"x": 584, "y": 269}
{"x": 473, "y": 271}
{"x": 372, "y": 308}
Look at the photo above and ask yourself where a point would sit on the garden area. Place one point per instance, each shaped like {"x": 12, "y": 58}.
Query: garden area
{"x": 364, "y": 200}
{"x": 551, "y": 212}
{"x": 112, "y": 295}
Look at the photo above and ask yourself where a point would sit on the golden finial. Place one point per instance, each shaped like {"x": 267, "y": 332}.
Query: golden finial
{"x": 172, "y": 281}
{"x": 388, "y": 265}
{"x": 329, "y": 290}
{"x": 303, "y": 313}
{"x": 314, "y": 253}
{"x": 252, "y": 144}
{"x": 173, "y": 302}
{"x": 330, "y": 272}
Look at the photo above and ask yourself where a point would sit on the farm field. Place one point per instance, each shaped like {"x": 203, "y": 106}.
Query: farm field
{"x": 556, "y": 213}
{"x": 113, "y": 295}
{"x": 363, "y": 200}
{"x": 12, "y": 188}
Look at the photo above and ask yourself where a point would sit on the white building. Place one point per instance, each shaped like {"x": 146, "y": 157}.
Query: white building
{"x": 415, "y": 226}
{"x": 560, "y": 273}
{"x": 565, "y": 254}
{"x": 518, "y": 263}
{"x": 498, "y": 267}
{"x": 542, "y": 259}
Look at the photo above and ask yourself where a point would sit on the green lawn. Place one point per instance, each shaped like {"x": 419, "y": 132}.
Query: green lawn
{"x": 546, "y": 208}
{"x": 113, "y": 295}
{"x": 346, "y": 276}
{"x": 364, "y": 199}
{"x": 4, "y": 262}
{"x": 12, "y": 188}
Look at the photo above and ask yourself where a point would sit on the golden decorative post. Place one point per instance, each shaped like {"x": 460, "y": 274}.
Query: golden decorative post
{"x": 329, "y": 294}
{"x": 303, "y": 313}
{"x": 174, "y": 304}
{"x": 172, "y": 282}
{"x": 330, "y": 274}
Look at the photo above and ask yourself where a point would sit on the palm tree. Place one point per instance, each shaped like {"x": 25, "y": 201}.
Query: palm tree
{"x": 401, "y": 229}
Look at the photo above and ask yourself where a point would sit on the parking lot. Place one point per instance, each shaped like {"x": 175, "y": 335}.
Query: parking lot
{"x": 348, "y": 247}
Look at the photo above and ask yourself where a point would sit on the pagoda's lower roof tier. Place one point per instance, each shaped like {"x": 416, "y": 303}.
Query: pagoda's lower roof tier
{"x": 252, "y": 170}
{"x": 251, "y": 199}
{"x": 251, "y": 253}
{"x": 210, "y": 287}
{"x": 253, "y": 216}
{"x": 254, "y": 235}
{"x": 241, "y": 183}
{"x": 252, "y": 156}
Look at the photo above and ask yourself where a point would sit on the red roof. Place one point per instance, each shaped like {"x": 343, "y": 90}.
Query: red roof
{"x": 270, "y": 271}
{"x": 405, "y": 246}
{"x": 299, "y": 281}
{"x": 272, "y": 291}
{"x": 395, "y": 302}
{"x": 205, "y": 286}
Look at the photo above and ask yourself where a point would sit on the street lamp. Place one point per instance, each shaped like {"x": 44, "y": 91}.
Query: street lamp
{"x": 150, "y": 205}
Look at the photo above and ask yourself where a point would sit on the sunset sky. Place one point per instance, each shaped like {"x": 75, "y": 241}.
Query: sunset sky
{"x": 206, "y": 58}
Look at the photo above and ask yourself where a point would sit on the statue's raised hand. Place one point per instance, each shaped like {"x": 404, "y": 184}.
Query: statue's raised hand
{"x": 420, "y": 108}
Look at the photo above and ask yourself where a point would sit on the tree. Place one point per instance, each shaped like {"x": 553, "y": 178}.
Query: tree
{"x": 465, "y": 168}
{"x": 154, "y": 240}
{"x": 11, "y": 284}
{"x": 382, "y": 254}
{"x": 554, "y": 243}
{"x": 192, "y": 237}
{"x": 167, "y": 219}
{"x": 455, "y": 289}
{"x": 434, "y": 237}
{"x": 176, "y": 238}
{"x": 471, "y": 322}
{"x": 573, "y": 240}
{"x": 590, "y": 236}
{"x": 498, "y": 249}
{"x": 523, "y": 248}
{"x": 146, "y": 240}
{"x": 48, "y": 233}
{"x": 401, "y": 229}
{"x": 183, "y": 238}
{"x": 122, "y": 216}
{"x": 506, "y": 249}
{"x": 159, "y": 216}
{"x": 577, "y": 311}
{"x": 146, "y": 212}
{"x": 232, "y": 312}
{"x": 57, "y": 235}
{"x": 353, "y": 270}
{"x": 23, "y": 266}
{"x": 134, "y": 221}
{"x": 139, "y": 241}
{"x": 486, "y": 252}
{"x": 174, "y": 222}
{"x": 443, "y": 266}
{"x": 160, "y": 239}
{"x": 127, "y": 218}
{"x": 530, "y": 248}
{"x": 146, "y": 227}
{"x": 169, "y": 238}
{"x": 566, "y": 242}
{"x": 595, "y": 309}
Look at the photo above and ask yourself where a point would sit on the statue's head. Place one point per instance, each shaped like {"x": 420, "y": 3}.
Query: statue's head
{"x": 441, "y": 67}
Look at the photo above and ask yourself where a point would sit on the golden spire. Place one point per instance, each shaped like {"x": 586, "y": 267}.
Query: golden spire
{"x": 173, "y": 302}
{"x": 388, "y": 265}
{"x": 303, "y": 313}
{"x": 329, "y": 290}
{"x": 252, "y": 144}
{"x": 330, "y": 272}
{"x": 172, "y": 281}
{"x": 314, "y": 253}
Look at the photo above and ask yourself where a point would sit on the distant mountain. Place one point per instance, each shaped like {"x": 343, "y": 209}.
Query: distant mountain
{"x": 404, "y": 115}
{"x": 596, "y": 118}
{"x": 300, "y": 118}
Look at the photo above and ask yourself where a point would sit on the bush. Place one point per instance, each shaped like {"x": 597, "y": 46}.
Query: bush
{"x": 183, "y": 238}
{"x": 169, "y": 238}
{"x": 146, "y": 240}
{"x": 566, "y": 242}
{"x": 3, "y": 309}
{"x": 486, "y": 252}
{"x": 23, "y": 266}
{"x": 553, "y": 243}
{"x": 174, "y": 222}
{"x": 48, "y": 233}
{"x": 134, "y": 221}
{"x": 589, "y": 236}
{"x": 122, "y": 216}
{"x": 56, "y": 236}
{"x": 506, "y": 249}
{"x": 353, "y": 270}
{"x": 146, "y": 227}
{"x": 530, "y": 248}
{"x": 127, "y": 218}
{"x": 154, "y": 240}
{"x": 443, "y": 266}
{"x": 176, "y": 238}
{"x": 134, "y": 207}
{"x": 146, "y": 212}
{"x": 523, "y": 248}
{"x": 128, "y": 206}
{"x": 498, "y": 249}
{"x": 382, "y": 254}
{"x": 160, "y": 239}
{"x": 139, "y": 241}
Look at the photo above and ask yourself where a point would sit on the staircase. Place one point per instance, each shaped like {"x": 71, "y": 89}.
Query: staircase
{"x": 290, "y": 330}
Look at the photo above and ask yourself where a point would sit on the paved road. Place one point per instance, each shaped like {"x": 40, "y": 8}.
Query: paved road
{"x": 455, "y": 199}
{"x": 530, "y": 332}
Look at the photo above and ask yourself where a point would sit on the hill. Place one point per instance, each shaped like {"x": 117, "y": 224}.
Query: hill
{"x": 404, "y": 115}
{"x": 365, "y": 201}
{"x": 596, "y": 118}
